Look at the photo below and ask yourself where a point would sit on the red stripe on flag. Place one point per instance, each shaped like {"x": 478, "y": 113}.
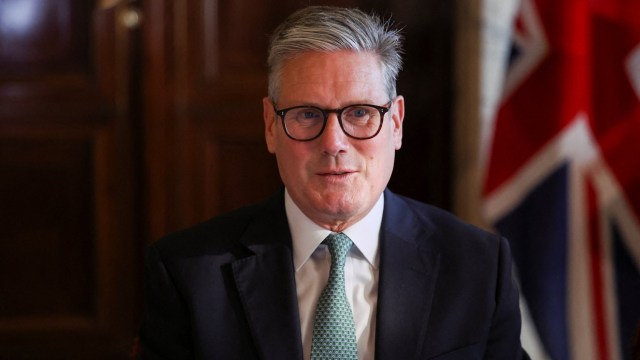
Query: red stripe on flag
{"x": 597, "y": 278}
{"x": 552, "y": 95}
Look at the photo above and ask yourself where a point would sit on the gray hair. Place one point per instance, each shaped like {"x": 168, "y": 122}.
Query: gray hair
{"x": 328, "y": 28}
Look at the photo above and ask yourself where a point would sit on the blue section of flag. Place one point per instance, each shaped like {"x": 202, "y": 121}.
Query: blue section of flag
{"x": 628, "y": 294}
{"x": 538, "y": 233}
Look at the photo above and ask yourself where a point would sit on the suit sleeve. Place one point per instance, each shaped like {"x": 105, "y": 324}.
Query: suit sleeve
{"x": 504, "y": 336}
{"x": 164, "y": 333}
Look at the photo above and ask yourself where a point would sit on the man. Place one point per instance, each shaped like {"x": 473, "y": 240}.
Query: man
{"x": 416, "y": 283}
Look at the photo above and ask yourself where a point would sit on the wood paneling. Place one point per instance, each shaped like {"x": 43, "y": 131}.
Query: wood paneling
{"x": 38, "y": 37}
{"x": 67, "y": 207}
{"x": 47, "y": 217}
{"x": 212, "y": 139}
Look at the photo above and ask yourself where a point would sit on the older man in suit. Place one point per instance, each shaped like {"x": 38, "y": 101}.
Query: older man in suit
{"x": 334, "y": 266}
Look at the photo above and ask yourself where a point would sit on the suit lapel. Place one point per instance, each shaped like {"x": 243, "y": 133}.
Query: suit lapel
{"x": 408, "y": 272}
{"x": 266, "y": 285}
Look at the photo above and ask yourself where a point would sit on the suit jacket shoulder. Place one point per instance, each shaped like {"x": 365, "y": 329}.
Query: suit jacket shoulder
{"x": 444, "y": 286}
{"x": 221, "y": 234}
{"x": 223, "y": 289}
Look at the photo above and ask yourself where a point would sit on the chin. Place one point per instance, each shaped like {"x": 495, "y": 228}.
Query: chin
{"x": 343, "y": 208}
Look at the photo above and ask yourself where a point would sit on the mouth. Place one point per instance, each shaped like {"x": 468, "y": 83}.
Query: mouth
{"x": 336, "y": 173}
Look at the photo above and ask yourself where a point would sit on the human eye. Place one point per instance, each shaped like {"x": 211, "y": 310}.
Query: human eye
{"x": 358, "y": 114}
{"x": 307, "y": 116}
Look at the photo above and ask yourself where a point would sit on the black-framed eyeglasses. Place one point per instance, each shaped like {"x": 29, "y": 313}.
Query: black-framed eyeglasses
{"x": 358, "y": 121}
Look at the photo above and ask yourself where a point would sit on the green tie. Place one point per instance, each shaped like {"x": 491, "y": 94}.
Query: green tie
{"x": 334, "y": 334}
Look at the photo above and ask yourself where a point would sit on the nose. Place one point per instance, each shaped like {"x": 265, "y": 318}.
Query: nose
{"x": 333, "y": 140}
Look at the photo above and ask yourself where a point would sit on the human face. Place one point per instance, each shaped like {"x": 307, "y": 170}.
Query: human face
{"x": 334, "y": 179}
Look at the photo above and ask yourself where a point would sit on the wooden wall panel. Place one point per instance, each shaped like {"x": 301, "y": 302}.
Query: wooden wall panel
{"x": 47, "y": 217}
{"x": 214, "y": 130}
{"x": 66, "y": 203}
{"x": 38, "y": 37}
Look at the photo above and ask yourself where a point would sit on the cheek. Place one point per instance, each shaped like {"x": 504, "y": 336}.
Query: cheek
{"x": 379, "y": 161}
{"x": 374, "y": 160}
{"x": 291, "y": 162}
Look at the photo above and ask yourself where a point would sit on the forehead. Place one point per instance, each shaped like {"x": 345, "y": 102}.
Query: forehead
{"x": 332, "y": 77}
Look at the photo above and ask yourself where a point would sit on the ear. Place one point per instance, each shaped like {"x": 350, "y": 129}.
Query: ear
{"x": 269, "y": 117}
{"x": 397, "y": 117}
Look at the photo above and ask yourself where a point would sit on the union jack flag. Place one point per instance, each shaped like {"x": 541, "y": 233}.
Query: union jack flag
{"x": 562, "y": 160}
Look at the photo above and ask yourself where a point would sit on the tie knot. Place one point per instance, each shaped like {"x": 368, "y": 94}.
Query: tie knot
{"x": 339, "y": 245}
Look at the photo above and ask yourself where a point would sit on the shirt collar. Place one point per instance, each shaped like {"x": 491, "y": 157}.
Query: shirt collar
{"x": 307, "y": 235}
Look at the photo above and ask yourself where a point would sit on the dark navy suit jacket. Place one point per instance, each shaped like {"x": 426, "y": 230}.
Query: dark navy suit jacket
{"x": 225, "y": 289}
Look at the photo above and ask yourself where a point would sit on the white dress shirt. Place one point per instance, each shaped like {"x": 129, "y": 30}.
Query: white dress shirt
{"x": 312, "y": 261}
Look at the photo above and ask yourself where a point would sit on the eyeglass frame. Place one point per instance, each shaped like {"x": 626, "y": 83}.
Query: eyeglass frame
{"x": 325, "y": 112}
